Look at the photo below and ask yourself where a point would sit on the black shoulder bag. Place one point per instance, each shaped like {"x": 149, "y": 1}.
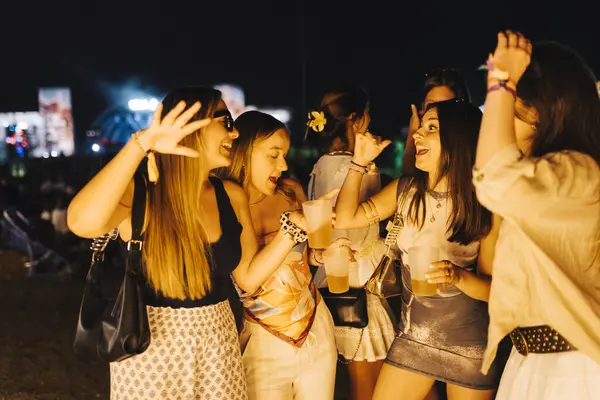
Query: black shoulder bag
{"x": 116, "y": 330}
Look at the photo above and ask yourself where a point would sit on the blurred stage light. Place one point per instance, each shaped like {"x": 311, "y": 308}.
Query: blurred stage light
{"x": 95, "y": 147}
{"x": 142, "y": 104}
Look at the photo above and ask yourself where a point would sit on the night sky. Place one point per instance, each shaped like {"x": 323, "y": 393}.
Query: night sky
{"x": 106, "y": 50}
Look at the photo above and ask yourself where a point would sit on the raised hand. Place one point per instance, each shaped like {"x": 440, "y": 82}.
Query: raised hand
{"x": 415, "y": 121}
{"x": 368, "y": 147}
{"x": 164, "y": 135}
{"x": 512, "y": 55}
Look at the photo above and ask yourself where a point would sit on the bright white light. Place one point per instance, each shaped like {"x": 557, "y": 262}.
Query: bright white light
{"x": 95, "y": 147}
{"x": 46, "y": 155}
{"x": 22, "y": 126}
{"x": 5, "y": 124}
{"x": 54, "y": 153}
{"x": 142, "y": 104}
{"x": 281, "y": 114}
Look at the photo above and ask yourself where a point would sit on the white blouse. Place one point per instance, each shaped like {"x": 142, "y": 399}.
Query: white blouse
{"x": 547, "y": 263}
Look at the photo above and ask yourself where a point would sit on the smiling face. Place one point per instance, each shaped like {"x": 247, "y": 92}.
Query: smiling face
{"x": 427, "y": 142}
{"x": 217, "y": 138}
{"x": 267, "y": 162}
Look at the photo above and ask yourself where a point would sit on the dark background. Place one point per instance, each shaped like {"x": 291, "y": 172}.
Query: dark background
{"x": 282, "y": 53}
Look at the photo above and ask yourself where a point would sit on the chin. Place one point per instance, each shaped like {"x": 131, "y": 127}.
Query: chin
{"x": 421, "y": 167}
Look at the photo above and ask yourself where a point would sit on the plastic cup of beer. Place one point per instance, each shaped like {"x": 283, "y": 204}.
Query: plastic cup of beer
{"x": 337, "y": 269}
{"x": 318, "y": 214}
{"x": 419, "y": 260}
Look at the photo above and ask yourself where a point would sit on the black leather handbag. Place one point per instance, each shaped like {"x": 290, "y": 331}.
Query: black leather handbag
{"x": 347, "y": 309}
{"x": 114, "y": 330}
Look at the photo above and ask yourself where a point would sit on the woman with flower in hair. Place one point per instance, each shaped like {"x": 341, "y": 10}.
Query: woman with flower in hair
{"x": 342, "y": 114}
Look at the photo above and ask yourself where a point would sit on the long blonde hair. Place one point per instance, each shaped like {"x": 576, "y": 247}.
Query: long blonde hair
{"x": 177, "y": 250}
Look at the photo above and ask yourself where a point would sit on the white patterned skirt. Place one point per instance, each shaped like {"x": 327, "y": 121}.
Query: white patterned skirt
{"x": 194, "y": 353}
{"x": 377, "y": 336}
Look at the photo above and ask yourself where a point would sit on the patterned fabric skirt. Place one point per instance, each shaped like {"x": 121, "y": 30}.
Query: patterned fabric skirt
{"x": 194, "y": 354}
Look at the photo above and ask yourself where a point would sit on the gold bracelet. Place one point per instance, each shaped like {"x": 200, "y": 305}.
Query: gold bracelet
{"x": 136, "y": 137}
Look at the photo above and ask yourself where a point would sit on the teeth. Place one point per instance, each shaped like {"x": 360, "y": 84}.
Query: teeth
{"x": 227, "y": 145}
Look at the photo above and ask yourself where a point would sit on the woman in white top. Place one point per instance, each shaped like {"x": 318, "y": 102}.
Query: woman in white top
{"x": 442, "y": 333}
{"x": 537, "y": 168}
{"x": 342, "y": 114}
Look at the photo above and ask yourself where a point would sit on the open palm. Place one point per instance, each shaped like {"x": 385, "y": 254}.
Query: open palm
{"x": 164, "y": 135}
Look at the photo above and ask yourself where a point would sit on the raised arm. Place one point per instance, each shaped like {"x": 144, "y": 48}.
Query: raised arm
{"x": 349, "y": 212}
{"x": 106, "y": 200}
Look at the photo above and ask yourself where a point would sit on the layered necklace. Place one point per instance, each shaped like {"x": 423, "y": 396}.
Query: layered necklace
{"x": 437, "y": 197}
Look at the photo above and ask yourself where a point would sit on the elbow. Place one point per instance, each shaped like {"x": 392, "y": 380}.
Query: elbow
{"x": 78, "y": 226}
{"x": 243, "y": 282}
{"x": 247, "y": 288}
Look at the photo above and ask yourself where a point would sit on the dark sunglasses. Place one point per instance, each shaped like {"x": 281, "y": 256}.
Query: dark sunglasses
{"x": 227, "y": 120}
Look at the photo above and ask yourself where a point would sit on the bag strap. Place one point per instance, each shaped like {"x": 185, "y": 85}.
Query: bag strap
{"x": 138, "y": 211}
{"x": 397, "y": 222}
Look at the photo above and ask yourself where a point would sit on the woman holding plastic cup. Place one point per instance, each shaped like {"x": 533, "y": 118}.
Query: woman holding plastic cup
{"x": 443, "y": 329}
{"x": 288, "y": 344}
{"x": 342, "y": 114}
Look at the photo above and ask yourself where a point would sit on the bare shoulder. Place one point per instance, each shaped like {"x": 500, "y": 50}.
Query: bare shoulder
{"x": 235, "y": 192}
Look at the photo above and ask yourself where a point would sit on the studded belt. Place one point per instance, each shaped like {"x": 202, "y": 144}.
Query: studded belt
{"x": 539, "y": 339}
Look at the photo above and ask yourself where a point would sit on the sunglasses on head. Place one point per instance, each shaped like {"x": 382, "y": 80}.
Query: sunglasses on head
{"x": 227, "y": 120}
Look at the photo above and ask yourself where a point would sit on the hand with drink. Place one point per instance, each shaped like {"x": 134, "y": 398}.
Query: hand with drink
{"x": 336, "y": 261}
{"x": 420, "y": 259}
{"x": 444, "y": 274}
{"x": 318, "y": 220}
{"x": 298, "y": 217}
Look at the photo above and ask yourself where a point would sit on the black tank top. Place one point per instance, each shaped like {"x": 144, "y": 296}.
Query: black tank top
{"x": 226, "y": 255}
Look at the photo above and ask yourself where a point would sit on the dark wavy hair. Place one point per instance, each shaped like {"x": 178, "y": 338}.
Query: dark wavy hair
{"x": 449, "y": 77}
{"x": 459, "y": 130}
{"x": 561, "y": 88}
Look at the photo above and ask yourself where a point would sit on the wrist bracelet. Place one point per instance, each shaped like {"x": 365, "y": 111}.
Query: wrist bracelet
{"x": 502, "y": 85}
{"x": 358, "y": 168}
{"x": 136, "y": 137}
{"x": 291, "y": 229}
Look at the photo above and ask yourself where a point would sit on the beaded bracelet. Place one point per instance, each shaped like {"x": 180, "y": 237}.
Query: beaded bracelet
{"x": 503, "y": 85}
{"x": 291, "y": 229}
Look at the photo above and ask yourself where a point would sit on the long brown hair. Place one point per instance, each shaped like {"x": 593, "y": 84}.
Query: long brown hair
{"x": 177, "y": 249}
{"x": 253, "y": 127}
{"x": 459, "y": 129}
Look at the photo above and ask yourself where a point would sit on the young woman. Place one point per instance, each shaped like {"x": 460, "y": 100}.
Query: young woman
{"x": 198, "y": 232}
{"x": 442, "y": 336}
{"x": 440, "y": 85}
{"x": 538, "y": 168}
{"x": 289, "y": 347}
{"x": 343, "y": 114}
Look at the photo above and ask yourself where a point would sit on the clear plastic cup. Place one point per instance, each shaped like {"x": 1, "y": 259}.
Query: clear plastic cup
{"x": 337, "y": 269}
{"x": 419, "y": 260}
{"x": 318, "y": 214}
